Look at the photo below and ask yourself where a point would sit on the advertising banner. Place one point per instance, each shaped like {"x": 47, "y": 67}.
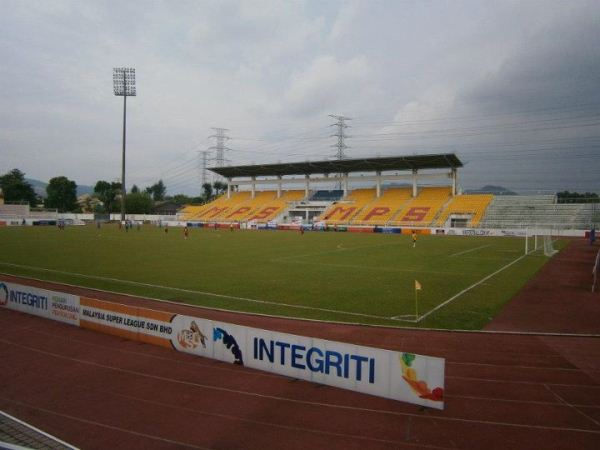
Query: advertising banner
{"x": 130, "y": 322}
{"x": 400, "y": 376}
{"x": 40, "y": 302}
{"x": 391, "y": 374}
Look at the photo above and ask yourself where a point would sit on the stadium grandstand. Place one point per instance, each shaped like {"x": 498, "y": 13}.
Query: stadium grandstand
{"x": 402, "y": 191}
{"x": 382, "y": 209}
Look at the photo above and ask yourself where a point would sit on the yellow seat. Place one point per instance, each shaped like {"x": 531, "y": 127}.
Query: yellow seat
{"x": 216, "y": 209}
{"x": 468, "y": 204}
{"x": 382, "y": 209}
{"x": 351, "y": 206}
{"x": 272, "y": 208}
{"x": 422, "y": 209}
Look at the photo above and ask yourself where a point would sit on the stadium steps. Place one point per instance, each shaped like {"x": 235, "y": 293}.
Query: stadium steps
{"x": 191, "y": 212}
{"x": 250, "y": 206}
{"x": 422, "y": 209}
{"x": 345, "y": 210}
{"x": 587, "y": 216}
{"x": 14, "y": 210}
{"x": 216, "y": 210}
{"x": 467, "y": 204}
{"x": 535, "y": 211}
{"x": 374, "y": 213}
{"x": 271, "y": 209}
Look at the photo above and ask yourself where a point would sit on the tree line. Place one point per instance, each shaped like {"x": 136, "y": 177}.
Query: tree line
{"x": 576, "y": 197}
{"x": 61, "y": 194}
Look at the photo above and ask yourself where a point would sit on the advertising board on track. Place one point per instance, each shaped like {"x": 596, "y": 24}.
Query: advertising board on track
{"x": 391, "y": 374}
{"x": 40, "y": 302}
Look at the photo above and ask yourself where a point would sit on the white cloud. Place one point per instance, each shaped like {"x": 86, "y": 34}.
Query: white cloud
{"x": 327, "y": 85}
{"x": 345, "y": 21}
{"x": 269, "y": 70}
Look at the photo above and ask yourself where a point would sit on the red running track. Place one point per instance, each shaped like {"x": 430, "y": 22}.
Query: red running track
{"x": 504, "y": 391}
{"x": 559, "y": 298}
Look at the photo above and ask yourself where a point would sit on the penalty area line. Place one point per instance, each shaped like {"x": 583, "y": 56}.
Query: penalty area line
{"x": 405, "y": 318}
{"x": 483, "y": 280}
{"x": 470, "y": 250}
{"x": 190, "y": 291}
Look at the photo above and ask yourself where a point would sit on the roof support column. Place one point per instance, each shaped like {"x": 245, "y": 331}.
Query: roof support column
{"x": 228, "y": 188}
{"x": 454, "y": 176}
{"x": 253, "y": 187}
{"x": 414, "y": 182}
{"x": 345, "y": 178}
{"x": 278, "y": 186}
{"x": 378, "y": 183}
{"x": 307, "y": 186}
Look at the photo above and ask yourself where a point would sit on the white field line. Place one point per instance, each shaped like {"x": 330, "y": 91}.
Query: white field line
{"x": 190, "y": 291}
{"x": 97, "y": 424}
{"x": 483, "y": 280}
{"x": 403, "y": 317}
{"x": 470, "y": 250}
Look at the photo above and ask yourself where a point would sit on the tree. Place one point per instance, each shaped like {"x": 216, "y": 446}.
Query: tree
{"x": 62, "y": 194}
{"x": 157, "y": 190}
{"x": 180, "y": 199}
{"x": 576, "y": 197}
{"x": 208, "y": 191}
{"x": 138, "y": 203}
{"x": 16, "y": 189}
{"x": 107, "y": 193}
{"x": 135, "y": 189}
{"x": 219, "y": 187}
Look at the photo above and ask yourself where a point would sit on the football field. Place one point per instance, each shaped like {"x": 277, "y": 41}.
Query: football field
{"x": 336, "y": 276}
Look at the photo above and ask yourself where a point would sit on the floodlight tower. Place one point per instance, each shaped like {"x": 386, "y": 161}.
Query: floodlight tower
{"x": 124, "y": 85}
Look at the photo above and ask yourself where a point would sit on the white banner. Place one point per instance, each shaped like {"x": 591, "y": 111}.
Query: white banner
{"x": 40, "y": 302}
{"x": 400, "y": 376}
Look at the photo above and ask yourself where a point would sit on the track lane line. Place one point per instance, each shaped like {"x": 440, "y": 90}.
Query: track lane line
{"x": 577, "y": 410}
{"x": 300, "y": 402}
{"x": 103, "y": 425}
{"x": 219, "y": 368}
{"x": 268, "y": 375}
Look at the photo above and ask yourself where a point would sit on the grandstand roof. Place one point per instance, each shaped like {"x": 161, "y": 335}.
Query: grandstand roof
{"x": 438, "y": 161}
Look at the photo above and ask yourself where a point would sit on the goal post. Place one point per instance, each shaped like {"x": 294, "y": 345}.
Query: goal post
{"x": 539, "y": 240}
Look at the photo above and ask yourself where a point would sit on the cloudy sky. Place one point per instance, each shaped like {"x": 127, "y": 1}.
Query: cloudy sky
{"x": 513, "y": 87}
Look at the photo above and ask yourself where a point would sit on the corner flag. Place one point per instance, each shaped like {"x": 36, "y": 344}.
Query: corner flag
{"x": 417, "y": 286}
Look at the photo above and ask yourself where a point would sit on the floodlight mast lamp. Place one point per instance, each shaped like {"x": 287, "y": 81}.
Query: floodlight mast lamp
{"x": 124, "y": 85}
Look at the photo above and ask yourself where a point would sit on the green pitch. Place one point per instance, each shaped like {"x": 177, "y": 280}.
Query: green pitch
{"x": 346, "y": 277}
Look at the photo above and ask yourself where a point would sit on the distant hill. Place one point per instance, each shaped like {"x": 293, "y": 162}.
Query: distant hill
{"x": 489, "y": 189}
{"x": 40, "y": 188}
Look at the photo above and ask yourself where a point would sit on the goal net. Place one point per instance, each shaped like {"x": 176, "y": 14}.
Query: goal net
{"x": 548, "y": 246}
{"x": 540, "y": 242}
